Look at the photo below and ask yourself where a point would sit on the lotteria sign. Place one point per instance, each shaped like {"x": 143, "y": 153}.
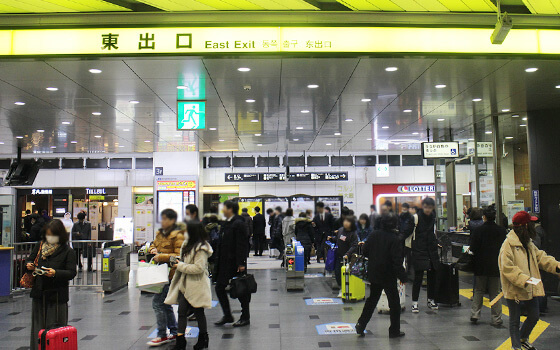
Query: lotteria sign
{"x": 196, "y": 40}
{"x": 416, "y": 189}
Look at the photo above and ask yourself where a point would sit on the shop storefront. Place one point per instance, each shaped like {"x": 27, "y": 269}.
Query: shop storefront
{"x": 398, "y": 194}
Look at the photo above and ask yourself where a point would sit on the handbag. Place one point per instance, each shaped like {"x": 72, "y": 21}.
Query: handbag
{"x": 359, "y": 267}
{"x": 27, "y": 280}
{"x": 152, "y": 278}
{"x": 242, "y": 286}
{"x": 412, "y": 237}
{"x": 330, "y": 261}
{"x": 465, "y": 262}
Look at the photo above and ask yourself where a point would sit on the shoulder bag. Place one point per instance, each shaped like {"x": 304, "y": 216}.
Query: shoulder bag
{"x": 27, "y": 280}
{"x": 242, "y": 286}
{"x": 412, "y": 237}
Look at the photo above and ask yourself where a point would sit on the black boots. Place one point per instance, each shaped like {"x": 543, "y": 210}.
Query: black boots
{"x": 202, "y": 342}
{"x": 224, "y": 320}
{"x": 180, "y": 343}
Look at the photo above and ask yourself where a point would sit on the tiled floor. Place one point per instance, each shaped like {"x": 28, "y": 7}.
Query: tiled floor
{"x": 280, "y": 320}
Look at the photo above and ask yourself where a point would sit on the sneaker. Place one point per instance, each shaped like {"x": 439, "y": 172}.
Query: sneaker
{"x": 432, "y": 305}
{"x": 525, "y": 345}
{"x": 415, "y": 309}
{"x": 474, "y": 320}
{"x": 159, "y": 341}
{"x": 339, "y": 295}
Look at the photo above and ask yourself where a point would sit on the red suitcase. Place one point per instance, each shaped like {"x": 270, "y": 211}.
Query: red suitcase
{"x": 61, "y": 338}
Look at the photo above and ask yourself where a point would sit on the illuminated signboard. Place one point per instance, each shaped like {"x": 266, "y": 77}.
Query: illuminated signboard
{"x": 416, "y": 189}
{"x": 191, "y": 115}
{"x": 196, "y": 40}
{"x": 96, "y": 191}
{"x": 41, "y": 191}
{"x": 440, "y": 149}
{"x": 175, "y": 185}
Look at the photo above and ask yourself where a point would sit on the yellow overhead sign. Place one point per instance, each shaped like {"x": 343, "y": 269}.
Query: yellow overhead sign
{"x": 181, "y": 41}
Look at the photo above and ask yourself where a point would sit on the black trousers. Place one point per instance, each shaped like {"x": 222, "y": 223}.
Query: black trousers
{"x": 259, "y": 241}
{"x": 83, "y": 248}
{"x": 223, "y": 298}
{"x": 338, "y": 270}
{"x": 184, "y": 308}
{"x": 319, "y": 246}
{"x": 394, "y": 305}
{"x": 418, "y": 277}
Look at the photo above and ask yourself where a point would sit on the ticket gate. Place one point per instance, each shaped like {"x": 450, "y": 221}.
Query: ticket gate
{"x": 295, "y": 266}
{"x": 116, "y": 266}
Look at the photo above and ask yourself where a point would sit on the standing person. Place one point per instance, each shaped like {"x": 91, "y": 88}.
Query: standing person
{"x": 347, "y": 241}
{"x": 539, "y": 240}
{"x": 249, "y": 224}
{"x": 45, "y": 216}
{"x": 190, "y": 287}
{"x": 191, "y": 213}
{"x": 305, "y": 235}
{"x": 309, "y": 213}
{"x": 27, "y": 221}
{"x": 424, "y": 254}
{"x": 323, "y": 224}
{"x": 383, "y": 210}
{"x": 413, "y": 210}
{"x": 81, "y": 231}
{"x": 232, "y": 261}
{"x": 288, "y": 227}
{"x": 384, "y": 253}
{"x": 475, "y": 219}
{"x": 50, "y": 291}
{"x": 519, "y": 262}
{"x": 212, "y": 212}
{"x": 344, "y": 212}
{"x": 168, "y": 243}
{"x": 364, "y": 228}
{"x": 406, "y": 222}
{"x": 373, "y": 215}
{"x": 259, "y": 229}
{"x": 37, "y": 224}
{"x": 486, "y": 241}
{"x": 276, "y": 232}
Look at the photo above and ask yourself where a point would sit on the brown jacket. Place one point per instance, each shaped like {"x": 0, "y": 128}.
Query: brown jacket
{"x": 515, "y": 269}
{"x": 169, "y": 245}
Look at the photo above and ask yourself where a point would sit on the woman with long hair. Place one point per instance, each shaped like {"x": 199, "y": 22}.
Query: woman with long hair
{"x": 520, "y": 261}
{"x": 53, "y": 263}
{"x": 346, "y": 240}
{"x": 190, "y": 287}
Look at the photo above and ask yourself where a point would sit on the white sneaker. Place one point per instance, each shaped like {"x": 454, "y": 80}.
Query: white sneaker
{"x": 415, "y": 309}
{"x": 339, "y": 294}
{"x": 432, "y": 305}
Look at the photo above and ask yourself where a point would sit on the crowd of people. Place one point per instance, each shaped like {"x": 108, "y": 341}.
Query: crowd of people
{"x": 207, "y": 250}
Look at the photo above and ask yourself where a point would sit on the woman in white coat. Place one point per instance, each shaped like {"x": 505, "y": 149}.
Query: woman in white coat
{"x": 190, "y": 287}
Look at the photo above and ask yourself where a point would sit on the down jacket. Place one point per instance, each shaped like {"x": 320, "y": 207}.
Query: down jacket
{"x": 192, "y": 278}
{"x": 169, "y": 244}
{"x": 516, "y": 268}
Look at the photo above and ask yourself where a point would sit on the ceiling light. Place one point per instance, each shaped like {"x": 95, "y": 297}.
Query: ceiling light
{"x": 221, "y": 140}
{"x": 19, "y": 137}
{"x": 250, "y": 100}
{"x": 147, "y": 141}
{"x": 470, "y": 139}
{"x": 385, "y": 127}
{"x": 96, "y": 113}
{"x": 244, "y": 69}
{"x": 299, "y": 128}
{"x": 133, "y": 102}
{"x": 1, "y": 143}
{"x": 348, "y": 120}
{"x": 73, "y": 141}
{"x": 407, "y": 110}
{"x": 369, "y": 139}
{"x": 366, "y": 99}
{"x": 50, "y": 88}
{"x": 97, "y": 136}
{"x": 476, "y": 99}
{"x": 259, "y": 144}
{"x": 391, "y": 69}
{"x": 337, "y": 134}
{"x": 505, "y": 110}
{"x": 558, "y": 86}
{"x": 312, "y": 86}
{"x": 121, "y": 146}
{"x": 415, "y": 133}
{"x": 125, "y": 129}
{"x": 329, "y": 144}
{"x": 212, "y": 129}
{"x": 19, "y": 103}
{"x": 65, "y": 123}
{"x": 509, "y": 137}
{"x": 531, "y": 70}
{"x": 488, "y": 132}
{"x": 441, "y": 86}
{"x": 53, "y": 147}
{"x": 254, "y": 121}
{"x": 515, "y": 115}
{"x": 181, "y": 87}
{"x": 524, "y": 119}
{"x": 159, "y": 121}
{"x": 522, "y": 124}
{"x": 257, "y": 134}
{"x": 440, "y": 119}
{"x": 40, "y": 130}
{"x": 305, "y": 111}
{"x": 178, "y": 135}
{"x": 296, "y": 139}
{"x": 95, "y": 71}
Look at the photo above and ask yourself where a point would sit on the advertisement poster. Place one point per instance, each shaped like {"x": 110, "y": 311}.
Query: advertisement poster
{"x": 171, "y": 200}
{"x": 143, "y": 218}
{"x": 77, "y": 207}
{"x": 332, "y": 202}
{"x": 300, "y": 204}
{"x": 250, "y": 204}
{"x": 486, "y": 190}
{"x": 513, "y": 207}
{"x": 124, "y": 229}
{"x": 94, "y": 219}
{"x": 175, "y": 192}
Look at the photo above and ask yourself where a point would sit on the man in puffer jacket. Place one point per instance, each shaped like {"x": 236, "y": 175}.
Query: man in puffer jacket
{"x": 305, "y": 235}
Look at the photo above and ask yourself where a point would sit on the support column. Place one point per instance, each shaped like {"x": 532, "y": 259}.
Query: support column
{"x": 497, "y": 147}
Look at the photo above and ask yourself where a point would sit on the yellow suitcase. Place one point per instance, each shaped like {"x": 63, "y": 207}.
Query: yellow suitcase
{"x": 353, "y": 288}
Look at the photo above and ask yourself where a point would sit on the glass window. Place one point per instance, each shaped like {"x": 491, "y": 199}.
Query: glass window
{"x": 244, "y": 162}
{"x": 366, "y": 160}
{"x": 412, "y": 160}
{"x": 50, "y": 163}
{"x": 294, "y": 161}
{"x": 68, "y": 163}
{"x": 268, "y": 162}
{"x": 121, "y": 163}
{"x": 318, "y": 161}
{"x": 96, "y": 163}
{"x": 5, "y": 163}
{"x": 144, "y": 163}
{"x": 219, "y": 162}
{"x": 394, "y": 160}
{"x": 342, "y": 161}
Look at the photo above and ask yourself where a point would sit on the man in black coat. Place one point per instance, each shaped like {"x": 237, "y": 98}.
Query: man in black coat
{"x": 81, "y": 231}
{"x": 385, "y": 265}
{"x": 486, "y": 242}
{"x": 232, "y": 261}
{"x": 424, "y": 254}
{"x": 305, "y": 235}
{"x": 259, "y": 236}
{"x": 323, "y": 223}
{"x": 276, "y": 235}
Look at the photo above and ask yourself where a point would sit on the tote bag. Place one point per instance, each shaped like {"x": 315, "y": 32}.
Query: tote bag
{"x": 151, "y": 277}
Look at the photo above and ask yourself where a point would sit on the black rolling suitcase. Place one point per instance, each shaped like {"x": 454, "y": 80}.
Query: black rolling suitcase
{"x": 447, "y": 285}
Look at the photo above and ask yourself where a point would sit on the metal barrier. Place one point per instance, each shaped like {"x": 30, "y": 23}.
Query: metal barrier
{"x": 88, "y": 254}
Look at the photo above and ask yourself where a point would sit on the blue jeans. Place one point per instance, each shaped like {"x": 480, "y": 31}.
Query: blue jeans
{"x": 515, "y": 333}
{"x": 164, "y": 314}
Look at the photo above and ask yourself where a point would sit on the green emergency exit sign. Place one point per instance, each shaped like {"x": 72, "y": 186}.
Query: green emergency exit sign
{"x": 191, "y": 115}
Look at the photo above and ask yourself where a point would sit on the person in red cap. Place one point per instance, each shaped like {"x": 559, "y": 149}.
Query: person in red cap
{"x": 520, "y": 261}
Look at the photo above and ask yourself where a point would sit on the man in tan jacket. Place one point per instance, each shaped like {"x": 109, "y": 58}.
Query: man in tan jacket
{"x": 166, "y": 247}
{"x": 520, "y": 261}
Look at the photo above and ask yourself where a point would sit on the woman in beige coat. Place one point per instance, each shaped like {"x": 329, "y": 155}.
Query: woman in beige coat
{"x": 520, "y": 261}
{"x": 190, "y": 287}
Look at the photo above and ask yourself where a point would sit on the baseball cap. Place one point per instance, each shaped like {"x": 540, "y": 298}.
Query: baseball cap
{"x": 523, "y": 218}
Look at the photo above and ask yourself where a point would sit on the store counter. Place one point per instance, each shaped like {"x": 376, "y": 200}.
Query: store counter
{"x": 5, "y": 271}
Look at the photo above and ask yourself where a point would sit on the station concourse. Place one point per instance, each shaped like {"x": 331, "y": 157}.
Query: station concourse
{"x": 313, "y": 120}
